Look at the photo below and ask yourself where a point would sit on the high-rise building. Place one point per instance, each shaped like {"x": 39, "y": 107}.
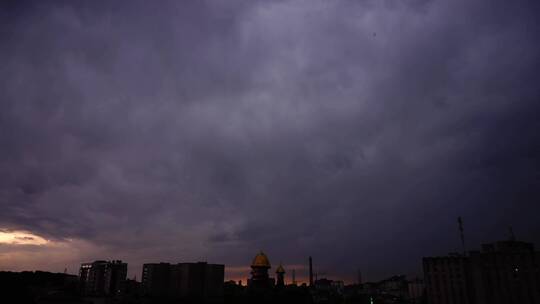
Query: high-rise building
{"x": 201, "y": 280}
{"x": 156, "y": 279}
{"x": 184, "y": 280}
{"x": 102, "y": 277}
{"x": 446, "y": 279}
{"x": 92, "y": 277}
{"x": 503, "y": 272}
{"x": 115, "y": 277}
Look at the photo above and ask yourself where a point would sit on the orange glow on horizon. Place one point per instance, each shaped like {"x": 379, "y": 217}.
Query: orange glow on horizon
{"x": 17, "y": 237}
{"x": 242, "y": 273}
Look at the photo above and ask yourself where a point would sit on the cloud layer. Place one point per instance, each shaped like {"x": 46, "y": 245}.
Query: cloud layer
{"x": 352, "y": 131}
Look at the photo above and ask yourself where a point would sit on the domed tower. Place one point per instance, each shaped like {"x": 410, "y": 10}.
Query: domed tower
{"x": 280, "y": 272}
{"x": 259, "y": 271}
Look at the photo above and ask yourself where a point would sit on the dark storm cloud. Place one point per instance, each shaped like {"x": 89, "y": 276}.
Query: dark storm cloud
{"x": 346, "y": 130}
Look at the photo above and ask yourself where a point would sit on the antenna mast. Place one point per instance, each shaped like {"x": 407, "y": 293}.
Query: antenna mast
{"x": 512, "y": 236}
{"x": 460, "y": 222}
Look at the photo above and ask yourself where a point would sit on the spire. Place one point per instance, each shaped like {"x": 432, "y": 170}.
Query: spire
{"x": 280, "y": 268}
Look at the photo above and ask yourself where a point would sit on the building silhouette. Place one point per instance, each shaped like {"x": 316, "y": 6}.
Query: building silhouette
{"x": 156, "y": 279}
{"x": 102, "y": 278}
{"x": 416, "y": 290}
{"x": 280, "y": 276}
{"x": 38, "y": 286}
{"x": 310, "y": 272}
{"x": 502, "y": 272}
{"x": 505, "y": 272}
{"x": 200, "y": 280}
{"x": 446, "y": 279}
{"x": 259, "y": 272}
{"x": 396, "y": 286}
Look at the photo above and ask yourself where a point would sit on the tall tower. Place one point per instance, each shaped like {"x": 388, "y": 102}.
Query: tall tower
{"x": 280, "y": 273}
{"x": 259, "y": 271}
{"x": 310, "y": 271}
{"x": 460, "y": 223}
{"x": 512, "y": 236}
{"x": 294, "y": 277}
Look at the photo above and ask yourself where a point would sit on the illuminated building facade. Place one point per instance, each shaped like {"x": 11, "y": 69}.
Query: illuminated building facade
{"x": 102, "y": 278}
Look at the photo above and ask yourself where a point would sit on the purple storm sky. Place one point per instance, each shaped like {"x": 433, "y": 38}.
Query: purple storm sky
{"x": 352, "y": 131}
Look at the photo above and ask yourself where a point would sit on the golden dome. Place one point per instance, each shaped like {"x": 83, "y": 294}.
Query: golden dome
{"x": 280, "y": 269}
{"x": 261, "y": 260}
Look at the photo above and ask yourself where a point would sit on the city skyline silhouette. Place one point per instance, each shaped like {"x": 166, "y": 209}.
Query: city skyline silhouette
{"x": 353, "y": 132}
